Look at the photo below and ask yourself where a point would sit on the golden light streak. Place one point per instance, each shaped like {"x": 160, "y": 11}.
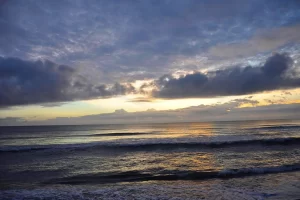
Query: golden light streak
{"x": 136, "y": 103}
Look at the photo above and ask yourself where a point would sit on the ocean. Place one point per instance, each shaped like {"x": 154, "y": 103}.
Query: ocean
{"x": 213, "y": 160}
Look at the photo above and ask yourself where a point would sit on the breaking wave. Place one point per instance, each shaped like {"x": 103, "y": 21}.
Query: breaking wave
{"x": 278, "y": 127}
{"x": 136, "y": 176}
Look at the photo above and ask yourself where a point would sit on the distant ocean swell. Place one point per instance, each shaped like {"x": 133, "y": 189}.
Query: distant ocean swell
{"x": 278, "y": 127}
{"x": 83, "y": 135}
{"x": 154, "y": 145}
{"x": 136, "y": 176}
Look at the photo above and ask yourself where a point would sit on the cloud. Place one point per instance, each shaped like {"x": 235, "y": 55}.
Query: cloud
{"x": 274, "y": 74}
{"x": 36, "y": 82}
{"x": 263, "y": 41}
{"x": 217, "y": 112}
{"x": 55, "y": 104}
{"x": 11, "y": 121}
{"x": 47, "y": 83}
{"x": 140, "y": 100}
{"x": 240, "y": 102}
{"x": 132, "y": 39}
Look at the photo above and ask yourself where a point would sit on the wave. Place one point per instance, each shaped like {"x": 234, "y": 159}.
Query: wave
{"x": 120, "y": 134}
{"x": 22, "y": 149}
{"x": 155, "y": 145}
{"x": 278, "y": 127}
{"x": 136, "y": 176}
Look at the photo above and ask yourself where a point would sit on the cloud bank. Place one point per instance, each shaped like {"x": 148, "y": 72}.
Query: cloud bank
{"x": 43, "y": 81}
{"x": 28, "y": 82}
{"x": 278, "y": 72}
{"x": 217, "y": 112}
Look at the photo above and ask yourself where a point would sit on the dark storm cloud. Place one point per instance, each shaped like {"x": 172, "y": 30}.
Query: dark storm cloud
{"x": 27, "y": 82}
{"x": 274, "y": 74}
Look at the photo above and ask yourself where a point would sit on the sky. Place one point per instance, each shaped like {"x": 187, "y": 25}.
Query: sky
{"x": 136, "y": 61}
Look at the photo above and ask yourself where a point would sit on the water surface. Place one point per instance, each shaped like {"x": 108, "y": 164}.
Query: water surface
{"x": 156, "y": 161}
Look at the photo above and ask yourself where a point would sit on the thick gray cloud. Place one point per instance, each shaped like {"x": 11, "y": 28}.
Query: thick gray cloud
{"x": 28, "y": 82}
{"x": 125, "y": 39}
{"x": 274, "y": 74}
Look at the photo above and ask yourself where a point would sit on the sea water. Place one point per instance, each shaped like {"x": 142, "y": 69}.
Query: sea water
{"x": 213, "y": 160}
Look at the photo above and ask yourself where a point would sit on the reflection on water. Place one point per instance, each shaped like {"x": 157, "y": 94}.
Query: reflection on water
{"x": 118, "y": 153}
{"x": 103, "y": 133}
{"x": 170, "y": 132}
{"x": 192, "y": 161}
